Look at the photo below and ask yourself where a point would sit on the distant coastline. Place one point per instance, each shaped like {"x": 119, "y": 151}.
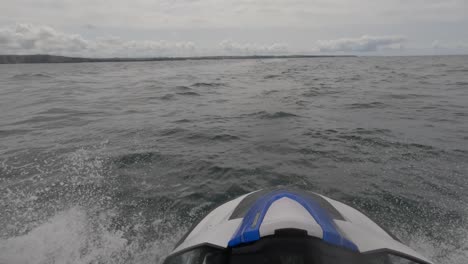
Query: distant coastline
{"x": 18, "y": 59}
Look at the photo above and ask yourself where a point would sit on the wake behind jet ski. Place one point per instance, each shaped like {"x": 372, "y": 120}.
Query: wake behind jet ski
{"x": 289, "y": 226}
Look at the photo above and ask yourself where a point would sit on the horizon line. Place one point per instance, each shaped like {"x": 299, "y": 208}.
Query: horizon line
{"x": 50, "y": 58}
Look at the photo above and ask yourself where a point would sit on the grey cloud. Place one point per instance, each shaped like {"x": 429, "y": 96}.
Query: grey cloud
{"x": 462, "y": 45}
{"x": 231, "y": 13}
{"x": 27, "y": 39}
{"x": 89, "y": 26}
{"x": 35, "y": 39}
{"x": 443, "y": 47}
{"x": 437, "y": 44}
{"x": 362, "y": 44}
{"x": 119, "y": 47}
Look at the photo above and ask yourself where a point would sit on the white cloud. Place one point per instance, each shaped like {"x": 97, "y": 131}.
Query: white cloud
{"x": 443, "y": 47}
{"x": 24, "y": 37}
{"x": 362, "y": 44}
{"x": 437, "y": 44}
{"x": 144, "y": 48}
{"x": 28, "y": 39}
{"x": 235, "y": 48}
{"x": 462, "y": 45}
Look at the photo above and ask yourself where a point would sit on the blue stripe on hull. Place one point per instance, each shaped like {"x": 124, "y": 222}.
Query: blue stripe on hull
{"x": 249, "y": 230}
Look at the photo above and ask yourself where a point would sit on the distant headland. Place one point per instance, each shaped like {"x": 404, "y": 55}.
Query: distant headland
{"x": 16, "y": 59}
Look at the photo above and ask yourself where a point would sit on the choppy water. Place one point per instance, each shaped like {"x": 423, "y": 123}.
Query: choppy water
{"x": 111, "y": 162}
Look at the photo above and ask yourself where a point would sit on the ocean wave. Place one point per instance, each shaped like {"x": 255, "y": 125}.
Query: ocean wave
{"x": 13, "y": 132}
{"x": 312, "y": 93}
{"x": 207, "y": 84}
{"x": 31, "y": 76}
{"x": 274, "y": 115}
{"x": 367, "y": 105}
{"x": 269, "y": 92}
{"x": 379, "y": 141}
{"x": 167, "y": 97}
{"x": 172, "y": 131}
{"x": 225, "y": 137}
{"x": 182, "y": 88}
{"x": 189, "y": 93}
{"x": 208, "y": 137}
{"x": 462, "y": 70}
{"x": 62, "y": 119}
{"x": 408, "y": 96}
{"x": 320, "y": 89}
{"x": 465, "y": 84}
{"x": 184, "y": 120}
{"x": 136, "y": 158}
{"x": 271, "y": 76}
{"x": 373, "y": 131}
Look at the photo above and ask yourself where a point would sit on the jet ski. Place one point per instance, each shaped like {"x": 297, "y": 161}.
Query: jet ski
{"x": 285, "y": 226}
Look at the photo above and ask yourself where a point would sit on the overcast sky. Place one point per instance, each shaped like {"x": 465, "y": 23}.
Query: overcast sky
{"x": 233, "y": 27}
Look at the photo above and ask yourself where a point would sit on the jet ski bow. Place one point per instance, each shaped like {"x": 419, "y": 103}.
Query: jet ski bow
{"x": 289, "y": 226}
